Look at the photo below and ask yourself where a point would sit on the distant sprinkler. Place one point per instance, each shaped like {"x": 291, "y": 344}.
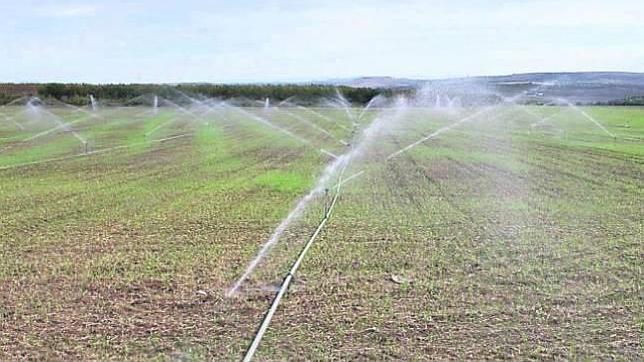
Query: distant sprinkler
{"x": 92, "y": 102}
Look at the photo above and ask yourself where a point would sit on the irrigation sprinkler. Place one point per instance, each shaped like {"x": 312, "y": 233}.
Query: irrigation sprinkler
{"x": 341, "y": 164}
{"x": 337, "y": 167}
{"x": 250, "y": 352}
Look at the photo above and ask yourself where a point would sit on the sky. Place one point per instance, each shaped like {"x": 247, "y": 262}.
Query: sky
{"x": 292, "y": 41}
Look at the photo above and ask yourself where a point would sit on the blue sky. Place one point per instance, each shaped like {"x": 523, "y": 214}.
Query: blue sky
{"x": 266, "y": 41}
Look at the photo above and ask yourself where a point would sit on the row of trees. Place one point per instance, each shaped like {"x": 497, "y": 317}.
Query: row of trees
{"x": 629, "y": 101}
{"x": 120, "y": 93}
{"x": 305, "y": 94}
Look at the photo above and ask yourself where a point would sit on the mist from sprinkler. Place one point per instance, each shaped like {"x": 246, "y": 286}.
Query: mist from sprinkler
{"x": 367, "y": 136}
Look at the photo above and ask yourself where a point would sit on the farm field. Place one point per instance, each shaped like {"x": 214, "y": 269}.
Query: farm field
{"x": 508, "y": 232}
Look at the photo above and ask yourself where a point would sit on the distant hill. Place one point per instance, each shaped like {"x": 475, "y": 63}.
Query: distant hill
{"x": 377, "y": 82}
{"x": 582, "y": 87}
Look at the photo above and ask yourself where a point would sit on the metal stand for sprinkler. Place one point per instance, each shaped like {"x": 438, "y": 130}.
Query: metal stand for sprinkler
{"x": 85, "y": 148}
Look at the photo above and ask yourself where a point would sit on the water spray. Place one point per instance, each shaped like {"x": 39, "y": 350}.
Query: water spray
{"x": 311, "y": 124}
{"x": 441, "y": 130}
{"x": 12, "y": 120}
{"x": 546, "y": 119}
{"x": 268, "y": 123}
{"x": 345, "y": 105}
{"x": 61, "y": 124}
{"x": 315, "y": 113}
{"x": 250, "y": 352}
{"x": 347, "y": 179}
{"x": 332, "y": 169}
{"x": 338, "y": 165}
{"x": 588, "y": 117}
{"x": 90, "y": 153}
{"x": 92, "y": 102}
{"x": 371, "y": 102}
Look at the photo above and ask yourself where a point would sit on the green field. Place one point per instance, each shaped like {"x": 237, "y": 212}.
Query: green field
{"x": 509, "y": 236}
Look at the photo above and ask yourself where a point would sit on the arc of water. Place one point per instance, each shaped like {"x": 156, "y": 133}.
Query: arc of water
{"x": 12, "y": 120}
{"x": 285, "y": 101}
{"x": 546, "y": 119}
{"x": 328, "y": 153}
{"x": 159, "y": 126}
{"x": 323, "y": 117}
{"x": 267, "y": 123}
{"x": 317, "y": 114}
{"x": 587, "y": 116}
{"x": 366, "y": 138}
{"x": 302, "y": 204}
{"x": 345, "y": 105}
{"x": 92, "y": 101}
{"x": 294, "y": 214}
{"x": 90, "y": 153}
{"x": 368, "y": 106}
{"x": 290, "y": 275}
{"x": 311, "y": 124}
{"x": 75, "y": 108}
{"x": 470, "y": 117}
{"x": 145, "y": 97}
{"x": 442, "y": 130}
{"x": 203, "y": 104}
{"x": 347, "y": 179}
{"x": 180, "y": 109}
{"x": 60, "y": 125}
{"x": 277, "y": 233}
{"x": 171, "y": 120}
{"x": 20, "y": 126}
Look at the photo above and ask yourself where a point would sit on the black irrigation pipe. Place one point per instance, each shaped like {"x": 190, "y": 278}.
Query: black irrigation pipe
{"x": 263, "y": 327}
{"x": 250, "y": 352}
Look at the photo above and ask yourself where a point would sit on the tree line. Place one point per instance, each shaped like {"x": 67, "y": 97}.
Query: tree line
{"x": 127, "y": 93}
{"x": 246, "y": 94}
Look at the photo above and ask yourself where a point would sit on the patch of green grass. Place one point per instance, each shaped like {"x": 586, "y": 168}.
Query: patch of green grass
{"x": 42, "y": 149}
{"x": 503, "y": 236}
{"x": 283, "y": 181}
